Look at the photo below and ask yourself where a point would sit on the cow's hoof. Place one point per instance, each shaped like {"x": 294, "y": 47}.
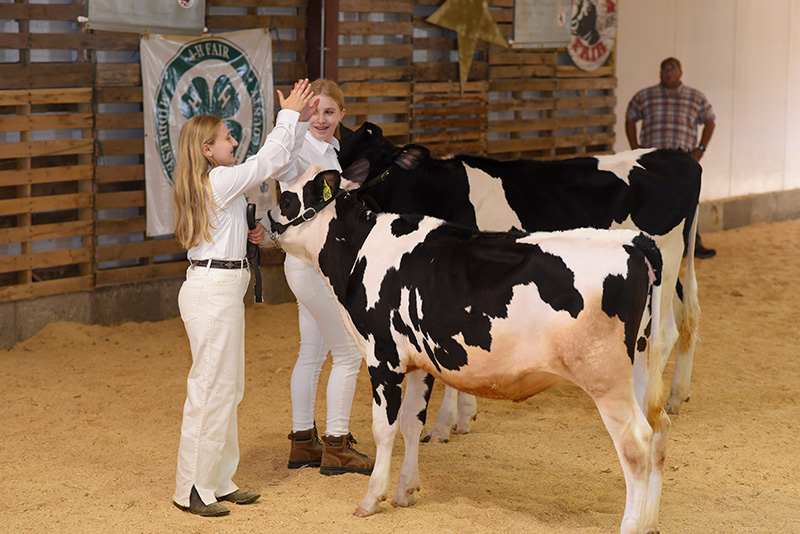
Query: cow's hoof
{"x": 461, "y": 431}
{"x": 405, "y": 498}
{"x": 361, "y": 512}
{"x": 673, "y": 407}
{"x": 434, "y": 438}
{"x": 409, "y": 501}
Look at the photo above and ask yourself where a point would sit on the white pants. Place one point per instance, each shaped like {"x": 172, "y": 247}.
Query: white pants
{"x": 321, "y": 330}
{"x": 211, "y": 302}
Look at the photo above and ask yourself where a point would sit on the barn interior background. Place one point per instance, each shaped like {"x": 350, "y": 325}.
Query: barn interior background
{"x": 72, "y": 189}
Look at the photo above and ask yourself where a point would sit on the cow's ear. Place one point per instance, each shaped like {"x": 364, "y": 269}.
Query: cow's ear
{"x": 356, "y": 174}
{"x": 326, "y": 184}
{"x": 373, "y": 129}
{"x": 411, "y": 156}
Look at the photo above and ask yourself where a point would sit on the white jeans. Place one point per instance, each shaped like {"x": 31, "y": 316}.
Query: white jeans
{"x": 321, "y": 330}
{"x": 211, "y": 302}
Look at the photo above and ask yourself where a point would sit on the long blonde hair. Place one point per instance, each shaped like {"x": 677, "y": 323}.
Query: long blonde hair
{"x": 192, "y": 196}
{"x": 329, "y": 88}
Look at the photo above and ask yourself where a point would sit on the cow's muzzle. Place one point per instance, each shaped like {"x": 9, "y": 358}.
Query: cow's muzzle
{"x": 275, "y": 229}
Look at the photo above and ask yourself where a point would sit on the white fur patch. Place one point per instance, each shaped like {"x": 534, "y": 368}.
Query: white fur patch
{"x": 622, "y": 163}
{"x": 485, "y": 190}
{"x": 384, "y": 251}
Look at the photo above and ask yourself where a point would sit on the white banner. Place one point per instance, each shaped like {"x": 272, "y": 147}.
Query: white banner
{"x": 593, "y": 28}
{"x": 184, "y": 17}
{"x": 228, "y": 75}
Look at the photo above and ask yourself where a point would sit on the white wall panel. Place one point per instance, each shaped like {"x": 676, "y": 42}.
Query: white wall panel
{"x": 792, "y": 166}
{"x": 645, "y": 36}
{"x": 705, "y": 46}
{"x": 745, "y": 56}
{"x": 759, "y": 104}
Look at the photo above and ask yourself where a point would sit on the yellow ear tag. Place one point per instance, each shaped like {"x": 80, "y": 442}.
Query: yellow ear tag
{"x": 326, "y": 191}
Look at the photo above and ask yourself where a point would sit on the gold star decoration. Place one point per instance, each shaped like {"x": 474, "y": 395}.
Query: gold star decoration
{"x": 471, "y": 20}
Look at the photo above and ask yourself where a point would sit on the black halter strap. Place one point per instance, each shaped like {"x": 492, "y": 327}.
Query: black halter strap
{"x": 378, "y": 179}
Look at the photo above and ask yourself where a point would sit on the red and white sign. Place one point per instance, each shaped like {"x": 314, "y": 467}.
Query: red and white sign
{"x": 593, "y": 29}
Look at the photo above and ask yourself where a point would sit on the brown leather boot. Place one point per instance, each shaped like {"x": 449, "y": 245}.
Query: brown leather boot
{"x": 341, "y": 457}
{"x": 306, "y": 449}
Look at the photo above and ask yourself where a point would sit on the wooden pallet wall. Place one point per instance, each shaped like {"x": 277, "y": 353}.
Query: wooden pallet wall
{"x": 46, "y": 196}
{"x": 72, "y": 192}
{"x": 72, "y": 211}
{"x": 517, "y": 103}
{"x": 376, "y": 63}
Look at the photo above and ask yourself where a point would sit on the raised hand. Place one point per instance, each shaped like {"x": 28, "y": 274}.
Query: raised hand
{"x": 298, "y": 98}
{"x": 309, "y": 110}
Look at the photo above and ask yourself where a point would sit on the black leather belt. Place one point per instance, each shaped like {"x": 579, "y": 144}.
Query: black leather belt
{"x": 222, "y": 264}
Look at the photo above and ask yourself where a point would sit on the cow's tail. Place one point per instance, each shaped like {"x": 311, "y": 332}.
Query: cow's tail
{"x": 654, "y": 392}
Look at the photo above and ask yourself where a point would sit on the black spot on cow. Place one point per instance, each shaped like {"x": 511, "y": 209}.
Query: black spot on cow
{"x": 405, "y": 225}
{"x": 666, "y": 191}
{"x": 289, "y": 204}
{"x": 626, "y": 297}
{"x": 557, "y": 195}
{"x": 422, "y": 415}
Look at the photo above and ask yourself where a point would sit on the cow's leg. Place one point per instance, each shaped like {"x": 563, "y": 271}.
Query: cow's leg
{"x": 415, "y": 402}
{"x": 467, "y": 412}
{"x": 387, "y": 395}
{"x": 446, "y": 420}
{"x": 688, "y": 328}
{"x": 633, "y": 440}
{"x": 658, "y": 455}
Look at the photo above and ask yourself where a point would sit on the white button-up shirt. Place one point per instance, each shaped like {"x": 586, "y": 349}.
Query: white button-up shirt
{"x": 228, "y": 184}
{"x": 313, "y": 151}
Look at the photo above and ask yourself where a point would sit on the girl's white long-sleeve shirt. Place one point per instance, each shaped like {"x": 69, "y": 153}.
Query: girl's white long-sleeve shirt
{"x": 312, "y": 151}
{"x": 228, "y": 184}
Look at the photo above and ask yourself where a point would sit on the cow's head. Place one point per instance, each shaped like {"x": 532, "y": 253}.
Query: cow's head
{"x": 313, "y": 191}
{"x": 368, "y": 143}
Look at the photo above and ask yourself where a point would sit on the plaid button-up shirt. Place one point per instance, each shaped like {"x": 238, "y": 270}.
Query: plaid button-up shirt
{"x": 669, "y": 116}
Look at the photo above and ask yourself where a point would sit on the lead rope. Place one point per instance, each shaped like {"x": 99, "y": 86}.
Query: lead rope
{"x": 254, "y": 254}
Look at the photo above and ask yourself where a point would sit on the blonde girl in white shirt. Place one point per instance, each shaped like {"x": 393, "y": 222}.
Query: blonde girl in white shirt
{"x": 321, "y": 327}
{"x": 211, "y": 222}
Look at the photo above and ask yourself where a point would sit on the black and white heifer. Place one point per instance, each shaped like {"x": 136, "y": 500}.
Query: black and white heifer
{"x": 500, "y": 315}
{"x": 655, "y": 191}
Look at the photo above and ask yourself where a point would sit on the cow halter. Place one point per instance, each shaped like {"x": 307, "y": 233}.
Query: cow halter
{"x": 311, "y": 212}
{"x": 307, "y": 215}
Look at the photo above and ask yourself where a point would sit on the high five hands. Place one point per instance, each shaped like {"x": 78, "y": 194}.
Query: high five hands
{"x": 300, "y": 99}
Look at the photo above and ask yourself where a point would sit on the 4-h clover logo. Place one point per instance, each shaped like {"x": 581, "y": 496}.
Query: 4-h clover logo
{"x": 209, "y": 76}
{"x": 223, "y": 102}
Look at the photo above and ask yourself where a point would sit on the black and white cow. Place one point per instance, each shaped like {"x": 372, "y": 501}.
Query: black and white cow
{"x": 500, "y": 315}
{"x": 656, "y": 191}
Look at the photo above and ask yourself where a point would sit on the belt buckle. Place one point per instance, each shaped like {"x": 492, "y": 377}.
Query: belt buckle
{"x": 229, "y": 264}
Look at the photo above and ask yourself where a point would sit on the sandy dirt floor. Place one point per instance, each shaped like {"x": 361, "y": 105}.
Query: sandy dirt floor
{"x": 90, "y": 418}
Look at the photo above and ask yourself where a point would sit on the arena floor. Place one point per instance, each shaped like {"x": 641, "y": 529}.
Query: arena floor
{"x": 90, "y": 419}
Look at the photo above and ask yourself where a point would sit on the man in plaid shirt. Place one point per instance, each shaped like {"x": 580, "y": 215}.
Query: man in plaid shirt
{"x": 670, "y": 113}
